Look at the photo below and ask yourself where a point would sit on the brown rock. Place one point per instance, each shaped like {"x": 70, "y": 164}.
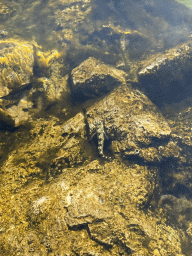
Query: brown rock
{"x": 88, "y": 210}
{"x": 93, "y": 78}
{"x": 47, "y": 149}
{"x": 171, "y": 64}
{"x": 130, "y": 119}
{"x": 101, "y": 232}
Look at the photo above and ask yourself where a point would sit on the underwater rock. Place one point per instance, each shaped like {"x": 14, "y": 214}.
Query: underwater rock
{"x": 46, "y": 150}
{"x": 97, "y": 28}
{"x": 92, "y": 78}
{"x": 39, "y": 209}
{"x": 76, "y": 150}
{"x": 19, "y": 113}
{"x": 16, "y": 106}
{"x": 178, "y": 176}
{"x": 23, "y": 101}
{"x": 55, "y": 88}
{"x": 90, "y": 210}
{"x": 170, "y": 150}
{"x": 6, "y": 119}
{"x": 16, "y": 59}
{"x": 166, "y": 77}
{"x": 130, "y": 120}
{"x": 179, "y": 116}
{"x": 175, "y": 205}
{"x": 71, "y": 17}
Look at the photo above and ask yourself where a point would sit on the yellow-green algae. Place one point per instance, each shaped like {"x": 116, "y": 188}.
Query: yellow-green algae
{"x": 16, "y": 60}
{"x": 33, "y": 209}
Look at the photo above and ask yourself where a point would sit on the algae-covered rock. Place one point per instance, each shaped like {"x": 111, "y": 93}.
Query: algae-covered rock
{"x": 130, "y": 120}
{"x": 16, "y": 71}
{"x": 93, "y": 78}
{"x": 166, "y": 76}
{"x": 72, "y": 17}
{"x": 189, "y": 230}
{"x": 55, "y": 88}
{"x": 28, "y": 94}
{"x": 88, "y": 210}
{"x": 178, "y": 175}
{"x": 46, "y": 149}
{"x": 76, "y": 149}
{"x": 87, "y": 182}
{"x": 16, "y": 64}
{"x": 51, "y": 88}
{"x": 96, "y": 208}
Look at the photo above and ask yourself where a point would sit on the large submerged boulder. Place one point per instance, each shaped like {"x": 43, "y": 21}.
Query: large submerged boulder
{"x": 131, "y": 121}
{"x": 90, "y": 210}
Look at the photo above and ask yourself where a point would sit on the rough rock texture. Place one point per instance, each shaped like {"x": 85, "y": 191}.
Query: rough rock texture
{"x": 16, "y": 70}
{"x": 87, "y": 206}
{"x": 17, "y": 114}
{"x": 176, "y": 176}
{"x": 88, "y": 210}
{"x": 26, "y": 92}
{"x": 131, "y": 121}
{"x": 93, "y": 78}
{"x": 108, "y": 176}
{"x": 168, "y": 75}
{"x": 56, "y": 88}
{"x": 179, "y": 177}
{"x": 46, "y": 141}
{"x": 72, "y": 17}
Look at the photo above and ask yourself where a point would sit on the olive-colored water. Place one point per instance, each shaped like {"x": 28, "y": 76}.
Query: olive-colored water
{"x": 95, "y": 127}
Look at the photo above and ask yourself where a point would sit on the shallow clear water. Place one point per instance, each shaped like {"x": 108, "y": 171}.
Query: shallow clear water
{"x": 95, "y": 127}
